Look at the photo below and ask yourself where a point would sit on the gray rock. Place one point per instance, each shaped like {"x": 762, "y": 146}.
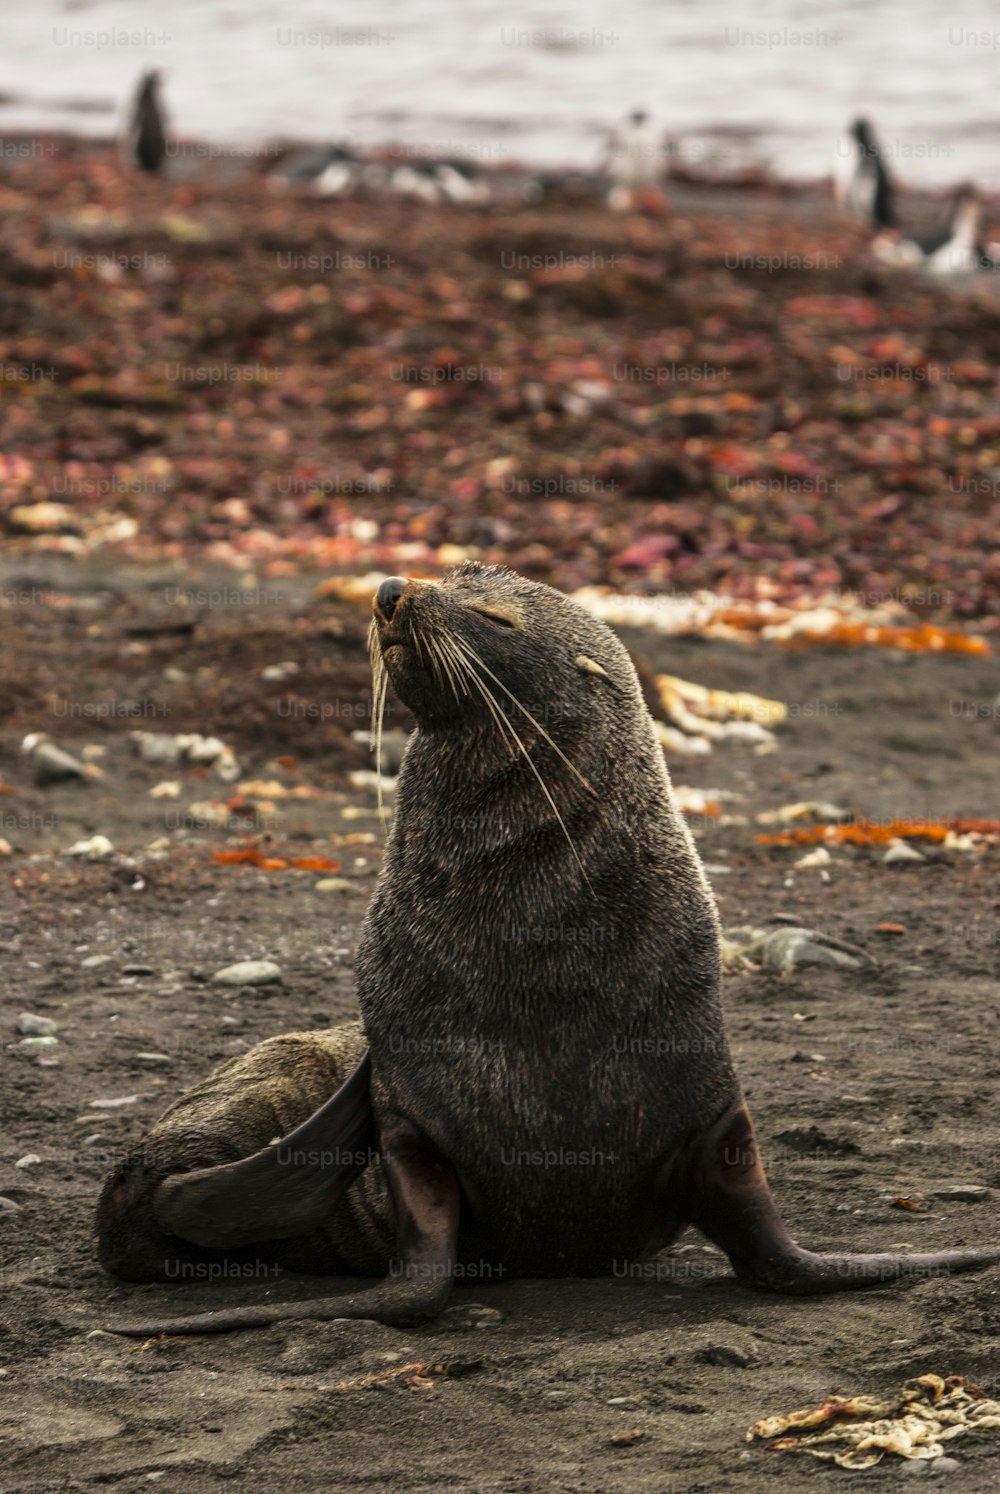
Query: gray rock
{"x": 30, "y": 1159}
{"x": 93, "y": 961}
{"x": 8, "y": 1206}
{"x": 248, "y": 973}
{"x": 52, "y": 765}
{"x": 943, "y": 1465}
{"x": 37, "y": 1044}
{"x": 900, "y": 853}
{"x": 36, "y": 1026}
{"x": 468, "y": 1317}
{"x": 729, "y": 1356}
{"x": 962, "y": 1193}
{"x": 157, "y": 747}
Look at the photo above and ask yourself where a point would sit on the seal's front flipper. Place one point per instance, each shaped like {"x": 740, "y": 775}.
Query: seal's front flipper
{"x": 286, "y": 1189}
{"x": 733, "y": 1205}
{"x": 425, "y": 1197}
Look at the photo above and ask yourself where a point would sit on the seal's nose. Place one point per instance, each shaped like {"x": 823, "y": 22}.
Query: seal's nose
{"x": 388, "y": 595}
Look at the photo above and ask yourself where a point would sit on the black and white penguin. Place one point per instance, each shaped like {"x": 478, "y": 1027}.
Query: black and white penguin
{"x": 636, "y": 158}
{"x": 861, "y": 183}
{"x": 143, "y": 143}
{"x": 954, "y": 249}
{"x": 446, "y": 180}
{"x": 329, "y": 171}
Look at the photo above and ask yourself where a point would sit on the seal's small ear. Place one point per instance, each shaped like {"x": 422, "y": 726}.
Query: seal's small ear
{"x": 590, "y": 666}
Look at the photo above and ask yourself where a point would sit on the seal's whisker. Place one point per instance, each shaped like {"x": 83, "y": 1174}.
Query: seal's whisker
{"x": 457, "y": 662}
{"x": 467, "y": 672}
{"x": 467, "y": 649}
{"x": 446, "y": 666}
{"x": 380, "y": 689}
{"x": 494, "y": 709}
{"x": 426, "y": 647}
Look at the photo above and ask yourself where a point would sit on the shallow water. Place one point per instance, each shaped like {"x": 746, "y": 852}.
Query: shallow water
{"x": 775, "y": 82}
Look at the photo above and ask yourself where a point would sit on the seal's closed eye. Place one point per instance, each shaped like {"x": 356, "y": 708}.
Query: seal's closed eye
{"x": 495, "y": 617}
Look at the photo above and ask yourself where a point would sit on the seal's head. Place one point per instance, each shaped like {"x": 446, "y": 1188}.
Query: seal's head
{"x": 487, "y": 647}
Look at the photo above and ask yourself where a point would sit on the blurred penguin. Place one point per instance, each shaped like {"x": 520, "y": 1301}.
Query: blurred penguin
{"x": 143, "y": 143}
{"x": 955, "y": 249}
{"x": 635, "y": 160}
{"x": 861, "y": 183}
{"x": 331, "y": 171}
{"x": 446, "y": 180}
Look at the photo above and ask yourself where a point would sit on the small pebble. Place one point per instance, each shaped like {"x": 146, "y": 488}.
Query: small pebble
{"x": 899, "y": 853}
{"x": 97, "y": 848}
{"x": 30, "y": 1159}
{"x": 35, "y": 1044}
{"x": 248, "y": 973}
{"x": 154, "y": 1060}
{"x": 333, "y": 884}
{"x": 6, "y": 849}
{"x": 944, "y": 1465}
{"x": 8, "y": 1206}
{"x": 93, "y": 961}
{"x": 36, "y": 1026}
{"x": 727, "y": 1355}
{"x": 170, "y": 788}
{"x": 116, "y": 1104}
{"x": 278, "y": 672}
{"x": 820, "y": 857}
{"x": 156, "y": 747}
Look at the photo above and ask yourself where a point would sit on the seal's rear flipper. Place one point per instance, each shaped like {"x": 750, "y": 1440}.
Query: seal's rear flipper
{"x": 425, "y": 1195}
{"x": 286, "y": 1189}
{"x": 733, "y": 1205}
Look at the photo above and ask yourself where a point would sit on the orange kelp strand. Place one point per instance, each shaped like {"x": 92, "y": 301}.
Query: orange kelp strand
{"x": 879, "y": 832}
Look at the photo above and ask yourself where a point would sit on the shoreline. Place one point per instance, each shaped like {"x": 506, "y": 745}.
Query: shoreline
{"x": 277, "y": 382}
{"x": 753, "y": 176}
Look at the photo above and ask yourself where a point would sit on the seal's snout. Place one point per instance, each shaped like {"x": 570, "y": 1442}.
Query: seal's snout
{"x": 388, "y": 595}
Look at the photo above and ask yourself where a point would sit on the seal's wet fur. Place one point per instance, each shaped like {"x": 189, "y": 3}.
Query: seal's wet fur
{"x": 523, "y": 1010}
{"x": 539, "y": 983}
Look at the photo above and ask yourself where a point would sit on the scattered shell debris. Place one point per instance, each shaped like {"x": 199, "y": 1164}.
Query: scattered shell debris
{"x": 833, "y": 619}
{"x": 912, "y": 1423}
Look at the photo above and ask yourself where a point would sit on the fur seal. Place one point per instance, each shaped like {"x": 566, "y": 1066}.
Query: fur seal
{"x": 543, "y": 1070}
